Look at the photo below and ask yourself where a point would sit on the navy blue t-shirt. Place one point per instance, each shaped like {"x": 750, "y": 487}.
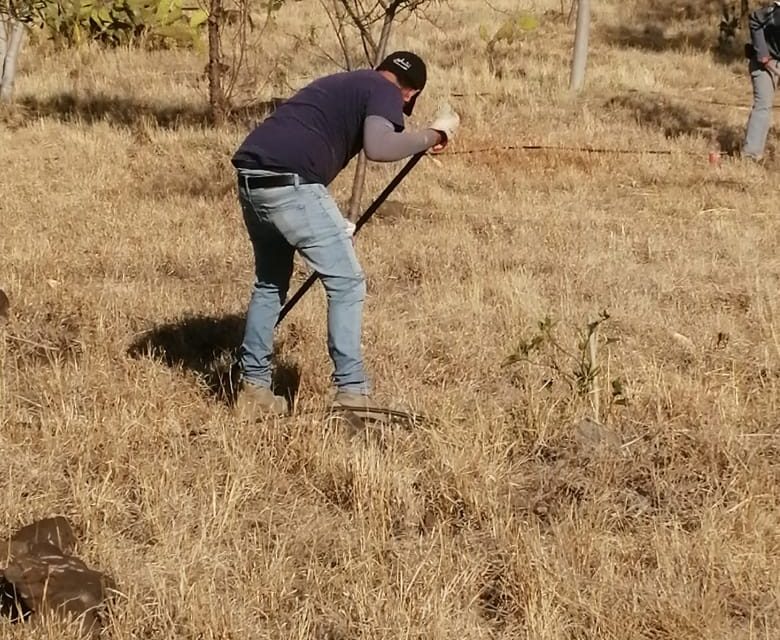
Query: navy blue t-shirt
{"x": 319, "y": 130}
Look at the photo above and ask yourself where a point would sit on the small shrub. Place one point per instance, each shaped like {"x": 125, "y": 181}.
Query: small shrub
{"x": 512, "y": 30}
{"x": 159, "y": 23}
{"x": 578, "y": 367}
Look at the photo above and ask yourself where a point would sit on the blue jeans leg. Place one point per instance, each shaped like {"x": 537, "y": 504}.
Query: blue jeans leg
{"x": 330, "y": 252}
{"x": 760, "y": 118}
{"x": 303, "y": 217}
{"x": 273, "y": 268}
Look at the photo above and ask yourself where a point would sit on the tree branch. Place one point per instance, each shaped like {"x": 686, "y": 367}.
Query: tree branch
{"x": 361, "y": 24}
{"x": 337, "y": 22}
{"x": 386, "y": 11}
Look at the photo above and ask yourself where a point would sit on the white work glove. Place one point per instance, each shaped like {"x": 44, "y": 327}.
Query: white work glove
{"x": 446, "y": 121}
{"x": 350, "y": 227}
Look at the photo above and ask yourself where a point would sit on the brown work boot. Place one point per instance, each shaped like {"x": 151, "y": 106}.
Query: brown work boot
{"x": 352, "y": 401}
{"x": 254, "y": 402}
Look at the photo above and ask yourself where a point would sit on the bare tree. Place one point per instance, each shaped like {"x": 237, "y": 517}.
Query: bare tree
{"x": 337, "y": 16}
{"x": 359, "y": 180}
{"x": 364, "y": 18}
{"x": 580, "y": 58}
{"x": 233, "y": 21}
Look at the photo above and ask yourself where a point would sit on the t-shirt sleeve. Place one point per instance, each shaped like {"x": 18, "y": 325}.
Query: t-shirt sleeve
{"x": 385, "y": 101}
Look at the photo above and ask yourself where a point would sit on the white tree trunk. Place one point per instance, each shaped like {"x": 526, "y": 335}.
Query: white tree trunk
{"x": 3, "y": 41}
{"x": 14, "y": 35}
{"x": 580, "y": 57}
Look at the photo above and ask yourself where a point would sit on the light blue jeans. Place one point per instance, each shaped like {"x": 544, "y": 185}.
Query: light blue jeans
{"x": 760, "y": 118}
{"x": 305, "y": 217}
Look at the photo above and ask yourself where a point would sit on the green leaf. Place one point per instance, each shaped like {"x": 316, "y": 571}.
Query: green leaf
{"x": 198, "y": 18}
{"x": 117, "y": 22}
{"x": 180, "y": 33}
{"x": 163, "y": 8}
{"x": 174, "y": 15}
{"x": 527, "y": 22}
{"x": 85, "y": 10}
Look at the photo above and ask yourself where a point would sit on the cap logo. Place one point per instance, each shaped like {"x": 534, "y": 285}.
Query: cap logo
{"x": 403, "y": 63}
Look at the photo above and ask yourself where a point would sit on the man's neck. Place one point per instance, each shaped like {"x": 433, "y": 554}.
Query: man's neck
{"x": 391, "y": 77}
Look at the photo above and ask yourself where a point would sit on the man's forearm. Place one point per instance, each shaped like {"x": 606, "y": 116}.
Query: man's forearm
{"x": 382, "y": 143}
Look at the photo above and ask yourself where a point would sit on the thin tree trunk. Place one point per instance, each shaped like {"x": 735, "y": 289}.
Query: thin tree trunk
{"x": 384, "y": 36}
{"x": 593, "y": 369}
{"x": 3, "y": 41}
{"x": 359, "y": 180}
{"x": 216, "y": 71}
{"x": 580, "y": 58}
{"x": 9, "y": 60}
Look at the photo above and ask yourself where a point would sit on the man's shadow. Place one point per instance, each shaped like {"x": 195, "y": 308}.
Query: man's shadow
{"x": 208, "y": 347}
{"x": 677, "y": 119}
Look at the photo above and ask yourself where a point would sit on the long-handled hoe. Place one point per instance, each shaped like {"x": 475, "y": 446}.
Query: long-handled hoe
{"x": 380, "y": 199}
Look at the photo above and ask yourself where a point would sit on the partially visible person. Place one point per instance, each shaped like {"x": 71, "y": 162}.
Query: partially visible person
{"x": 763, "y": 54}
{"x": 284, "y": 168}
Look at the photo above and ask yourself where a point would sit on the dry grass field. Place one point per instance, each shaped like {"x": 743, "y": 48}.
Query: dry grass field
{"x": 124, "y": 256}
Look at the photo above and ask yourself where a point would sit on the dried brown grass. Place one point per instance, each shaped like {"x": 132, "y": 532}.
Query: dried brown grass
{"x": 121, "y": 233}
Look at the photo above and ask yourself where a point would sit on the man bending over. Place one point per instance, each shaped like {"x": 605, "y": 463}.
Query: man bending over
{"x": 284, "y": 167}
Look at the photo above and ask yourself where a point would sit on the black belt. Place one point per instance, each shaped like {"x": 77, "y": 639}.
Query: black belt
{"x": 269, "y": 182}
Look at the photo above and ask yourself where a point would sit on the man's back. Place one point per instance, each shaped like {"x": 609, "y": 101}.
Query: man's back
{"x": 320, "y": 129}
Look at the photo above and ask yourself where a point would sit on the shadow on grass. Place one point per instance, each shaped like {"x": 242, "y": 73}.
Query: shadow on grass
{"x": 714, "y": 26}
{"x": 125, "y": 111}
{"x": 653, "y": 37}
{"x": 208, "y": 346}
{"x": 677, "y": 120}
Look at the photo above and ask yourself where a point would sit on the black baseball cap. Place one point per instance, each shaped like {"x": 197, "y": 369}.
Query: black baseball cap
{"x": 410, "y": 71}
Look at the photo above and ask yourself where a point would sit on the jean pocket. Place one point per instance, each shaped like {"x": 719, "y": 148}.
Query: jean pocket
{"x": 287, "y": 211}
{"x": 330, "y": 213}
